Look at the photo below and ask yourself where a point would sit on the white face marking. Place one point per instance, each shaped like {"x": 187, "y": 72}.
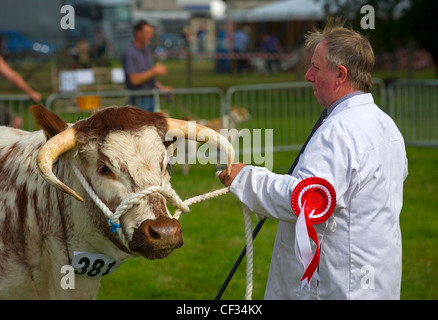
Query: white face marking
{"x": 141, "y": 154}
{"x": 127, "y": 162}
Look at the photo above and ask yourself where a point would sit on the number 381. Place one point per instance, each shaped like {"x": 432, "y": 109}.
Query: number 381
{"x": 94, "y": 269}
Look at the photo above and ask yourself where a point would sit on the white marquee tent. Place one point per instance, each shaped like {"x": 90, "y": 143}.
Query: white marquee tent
{"x": 297, "y": 10}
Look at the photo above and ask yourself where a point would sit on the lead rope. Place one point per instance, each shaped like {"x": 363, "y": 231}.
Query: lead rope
{"x": 182, "y": 207}
{"x": 249, "y": 252}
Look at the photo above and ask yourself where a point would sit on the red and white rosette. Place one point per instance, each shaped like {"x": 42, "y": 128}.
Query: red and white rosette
{"x": 313, "y": 201}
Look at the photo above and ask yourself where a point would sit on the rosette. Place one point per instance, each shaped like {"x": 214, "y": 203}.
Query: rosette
{"x": 313, "y": 201}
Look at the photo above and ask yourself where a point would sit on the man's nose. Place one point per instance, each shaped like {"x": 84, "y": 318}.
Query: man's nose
{"x": 309, "y": 75}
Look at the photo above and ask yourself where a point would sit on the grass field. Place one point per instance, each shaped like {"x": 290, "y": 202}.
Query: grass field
{"x": 214, "y": 236}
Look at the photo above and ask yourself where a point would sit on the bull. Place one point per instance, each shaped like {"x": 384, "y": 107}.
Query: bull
{"x": 45, "y": 224}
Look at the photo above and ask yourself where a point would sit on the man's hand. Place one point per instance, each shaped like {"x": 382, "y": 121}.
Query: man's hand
{"x": 235, "y": 169}
{"x": 163, "y": 88}
{"x": 13, "y": 77}
{"x": 35, "y": 96}
{"x": 160, "y": 69}
{"x": 137, "y": 79}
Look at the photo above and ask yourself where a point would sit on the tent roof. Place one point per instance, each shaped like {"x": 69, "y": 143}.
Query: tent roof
{"x": 283, "y": 10}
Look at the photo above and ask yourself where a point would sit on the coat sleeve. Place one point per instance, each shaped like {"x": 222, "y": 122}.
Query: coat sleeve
{"x": 329, "y": 155}
{"x": 265, "y": 192}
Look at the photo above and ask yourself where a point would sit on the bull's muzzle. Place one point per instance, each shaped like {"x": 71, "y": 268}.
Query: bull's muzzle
{"x": 156, "y": 239}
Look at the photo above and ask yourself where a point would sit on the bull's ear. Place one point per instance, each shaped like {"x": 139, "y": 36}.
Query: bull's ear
{"x": 48, "y": 121}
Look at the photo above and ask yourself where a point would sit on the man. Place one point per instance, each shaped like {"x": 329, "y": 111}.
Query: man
{"x": 358, "y": 157}
{"x": 271, "y": 46}
{"x": 240, "y": 44}
{"x": 7, "y": 117}
{"x": 139, "y": 67}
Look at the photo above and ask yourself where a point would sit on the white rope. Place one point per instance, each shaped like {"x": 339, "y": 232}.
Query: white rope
{"x": 182, "y": 207}
{"x": 202, "y": 197}
{"x": 249, "y": 252}
{"x": 102, "y": 206}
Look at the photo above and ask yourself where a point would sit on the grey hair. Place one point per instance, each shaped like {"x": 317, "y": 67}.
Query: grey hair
{"x": 348, "y": 48}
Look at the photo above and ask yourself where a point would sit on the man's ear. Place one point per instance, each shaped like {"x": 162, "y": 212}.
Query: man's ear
{"x": 342, "y": 75}
{"x": 48, "y": 121}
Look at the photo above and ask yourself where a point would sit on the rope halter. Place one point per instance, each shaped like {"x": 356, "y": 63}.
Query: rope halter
{"x": 182, "y": 207}
{"x": 135, "y": 199}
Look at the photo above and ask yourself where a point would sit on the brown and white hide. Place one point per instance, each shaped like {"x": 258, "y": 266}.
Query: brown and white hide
{"x": 119, "y": 151}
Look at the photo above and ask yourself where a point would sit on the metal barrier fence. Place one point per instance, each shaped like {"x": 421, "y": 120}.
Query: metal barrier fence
{"x": 289, "y": 109}
{"x": 414, "y": 107}
{"x": 14, "y": 111}
{"x": 194, "y": 104}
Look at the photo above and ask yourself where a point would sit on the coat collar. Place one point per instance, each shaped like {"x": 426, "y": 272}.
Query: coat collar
{"x": 354, "y": 99}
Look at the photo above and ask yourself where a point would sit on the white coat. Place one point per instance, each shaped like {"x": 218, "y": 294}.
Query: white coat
{"x": 360, "y": 151}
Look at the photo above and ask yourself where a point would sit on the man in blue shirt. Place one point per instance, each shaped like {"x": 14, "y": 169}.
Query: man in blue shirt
{"x": 139, "y": 67}
{"x": 270, "y": 45}
{"x": 241, "y": 41}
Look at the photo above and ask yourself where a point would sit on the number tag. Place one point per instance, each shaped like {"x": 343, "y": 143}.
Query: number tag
{"x": 93, "y": 265}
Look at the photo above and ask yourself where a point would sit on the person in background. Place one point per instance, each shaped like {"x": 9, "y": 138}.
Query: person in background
{"x": 240, "y": 45}
{"x": 140, "y": 70}
{"x": 100, "y": 48}
{"x": 201, "y": 37}
{"x": 7, "y": 117}
{"x": 84, "y": 53}
{"x": 270, "y": 45}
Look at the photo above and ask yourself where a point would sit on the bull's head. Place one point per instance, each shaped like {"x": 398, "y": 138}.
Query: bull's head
{"x": 121, "y": 151}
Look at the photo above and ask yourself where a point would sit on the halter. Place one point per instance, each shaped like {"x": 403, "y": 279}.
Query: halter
{"x": 182, "y": 207}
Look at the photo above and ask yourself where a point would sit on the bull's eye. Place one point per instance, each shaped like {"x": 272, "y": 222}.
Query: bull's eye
{"x": 104, "y": 170}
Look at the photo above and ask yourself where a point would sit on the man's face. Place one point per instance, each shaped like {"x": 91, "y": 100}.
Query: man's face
{"x": 323, "y": 80}
{"x": 145, "y": 35}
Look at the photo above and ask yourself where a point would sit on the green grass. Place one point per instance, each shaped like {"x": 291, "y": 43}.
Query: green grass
{"x": 214, "y": 236}
{"x": 419, "y": 226}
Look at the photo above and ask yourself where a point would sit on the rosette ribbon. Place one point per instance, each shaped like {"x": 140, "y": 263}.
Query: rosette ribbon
{"x": 313, "y": 201}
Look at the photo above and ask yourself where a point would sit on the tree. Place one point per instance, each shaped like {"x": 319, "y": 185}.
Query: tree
{"x": 398, "y": 22}
{"x": 421, "y": 22}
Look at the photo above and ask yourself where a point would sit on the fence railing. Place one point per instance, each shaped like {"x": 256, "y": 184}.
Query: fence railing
{"x": 196, "y": 104}
{"x": 414, "y": 107}
{"x": 14, "y": 111}
{"x": 289, "y": 109}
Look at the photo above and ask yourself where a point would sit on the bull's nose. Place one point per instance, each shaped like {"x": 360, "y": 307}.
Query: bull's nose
{"x": 156, "y": 235}
{"x": 162, "y": 232}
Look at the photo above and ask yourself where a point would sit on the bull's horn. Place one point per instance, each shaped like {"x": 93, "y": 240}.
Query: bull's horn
{"x": 214, "y": 139}
{"x": 52, "y": 149}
